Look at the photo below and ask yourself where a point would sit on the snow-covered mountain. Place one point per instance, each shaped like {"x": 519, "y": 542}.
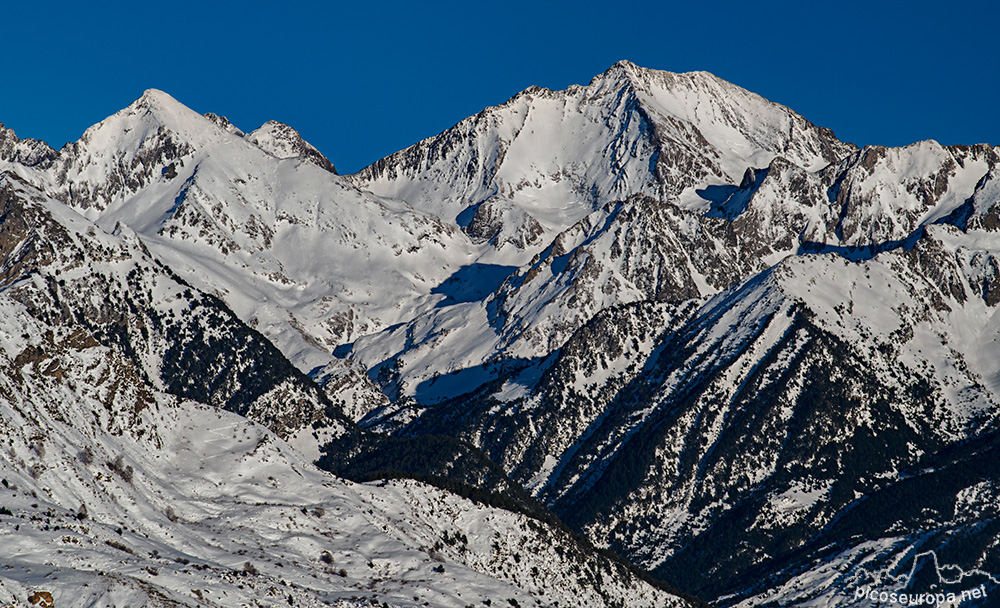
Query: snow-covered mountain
{"x": 756, "y": 360}
{"x": 520, "y": 173}
{"x": 117, "y": 494}
{"x": 259, "y": 220}
{"x": 144, "y": 461}
{"x": 796, "y": 190}
{"x": 729, "y": 365}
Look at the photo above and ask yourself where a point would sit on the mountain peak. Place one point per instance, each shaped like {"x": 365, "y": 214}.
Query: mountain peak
{"x": 620, "y": 72}
{"x": 153, "y": 111}
{"x": 624, "y": 66}
{"x": 642, "y": 77}
{"x": 630, "y": 130}
{"x": 282, "y": 141}
{"x": 28, "y": 152}
{"x": 165, "y": 108}
{"x": 156, "y": 97}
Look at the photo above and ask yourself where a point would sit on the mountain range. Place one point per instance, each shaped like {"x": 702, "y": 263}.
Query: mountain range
{"x": 656, "y": 317}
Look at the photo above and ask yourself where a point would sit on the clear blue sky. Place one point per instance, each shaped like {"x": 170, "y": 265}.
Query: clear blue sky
{"x": 362, "y": 80}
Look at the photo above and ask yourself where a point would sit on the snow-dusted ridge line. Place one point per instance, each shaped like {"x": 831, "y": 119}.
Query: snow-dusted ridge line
{"x": 279, "y": 237}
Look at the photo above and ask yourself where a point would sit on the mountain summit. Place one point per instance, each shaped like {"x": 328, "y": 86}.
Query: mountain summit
{"x": 733, "y": 331}
{"x": 282, "y": 141}
{"x": 520, "y": 173}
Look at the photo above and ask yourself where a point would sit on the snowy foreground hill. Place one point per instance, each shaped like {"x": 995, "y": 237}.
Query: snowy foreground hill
{"x": 119, "y": 488}
{"x": 754, "y": 360}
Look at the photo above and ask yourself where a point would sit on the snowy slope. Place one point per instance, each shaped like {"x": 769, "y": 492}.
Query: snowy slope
{"x": 805, "y": 395}
{"x": 115, "y": 494}
{"x": 294, "y": 250}
{"x": 520, "y": 173}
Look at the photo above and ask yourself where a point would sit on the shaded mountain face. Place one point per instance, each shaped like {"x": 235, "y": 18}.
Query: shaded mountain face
{"x": 756, "y": 424}
{"x": 68, "y": 274}
{"x": 681, "y": 317}
{"x": 731, "y": 366}
{"x": 751, "y": 426}
{"x": 118, "y": 494}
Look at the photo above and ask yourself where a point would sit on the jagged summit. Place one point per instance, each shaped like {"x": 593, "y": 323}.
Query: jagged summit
{"x": 223, "y": 123}
{"x": 624, "y": 70}
{"x": 28, "y": 152}
{"x": 517, "y": 174}
{"x": 282, "y": 141}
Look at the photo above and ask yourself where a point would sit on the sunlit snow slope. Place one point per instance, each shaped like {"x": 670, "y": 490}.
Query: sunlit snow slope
{"x": 120, "y": 488}
{"x": 115, "y": 494}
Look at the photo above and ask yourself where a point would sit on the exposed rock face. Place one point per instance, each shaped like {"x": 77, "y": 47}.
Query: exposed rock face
{"x": 187, "y": 343}
{"x": 28, "y": 152}
{"x": 223, "y": 123}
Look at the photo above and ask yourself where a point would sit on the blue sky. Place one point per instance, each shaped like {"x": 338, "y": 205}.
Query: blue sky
{"x": 362, "y": 80}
